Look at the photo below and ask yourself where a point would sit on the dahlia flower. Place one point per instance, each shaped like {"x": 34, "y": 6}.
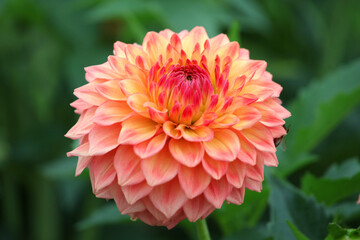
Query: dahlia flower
{"x": 172, "y": 128}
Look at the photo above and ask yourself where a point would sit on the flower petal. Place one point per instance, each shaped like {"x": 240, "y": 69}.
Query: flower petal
{"x": 137, "y": 129}
{"x": 269, "y": 117}
{"x": 260, "y": 137}
{"x": 171, "y": 130}
{"x": 136, "y": 102}
{"x": 193, "y": 180}
{"x": 127, "y": 165}
{"x": 131, "y": 86}
{"x": 135, "y": 192}
{"x": 215, "y": 168}
{"x": 103, "y": 139}
{"x": 217, "y": 192}
{"x": 196, "y": 134}
{"x": 159, "y": 168}
{"x": 247, "y": 153}
{"x": 196, "y": 35}
{"x": 83, "y": 125}
{"x": 155, "y": 45}
{"x": 237, "y": 195}
{"x": 269, "y": 159}
{"x": 248, "y": 116}
{"x": 253, "y": 185}
{"x": 112, "y": 112}
{"x": 236, "y": 173}
{"x": 102, "y": 171}
{"x": 225, "y": 145}
{"x": 111, "y": 90}
{"x": 188, "y": 153}
{"x": 102, "y": 71}
{"x": 196, "y": 208}
{"x": 150, "y": 147}
{"x": 168, "y": 198}
{"x": 89, "y": 94}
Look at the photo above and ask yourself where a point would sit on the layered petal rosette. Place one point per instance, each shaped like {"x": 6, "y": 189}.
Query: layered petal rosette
{"x": 172, "y": 128}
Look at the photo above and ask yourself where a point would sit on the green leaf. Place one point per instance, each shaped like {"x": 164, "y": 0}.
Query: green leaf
{"x": 233, "y": 218}
{"x": 345, "y": 210}
{"x": 299, "y": 235}
{"x": 336, "y": 232}
{"x": 348, "y": 169}
{"x": 338, "y": 183}
{"x": 289, "y": 204}
{"x": 234, "y": 32}
{"x": 104, "y": 215}
{"x": 317, "y": 110}
{"x": 62, "y": 168}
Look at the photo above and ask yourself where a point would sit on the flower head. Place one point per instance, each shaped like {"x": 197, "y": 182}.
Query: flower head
{"x": 172, "y": 128}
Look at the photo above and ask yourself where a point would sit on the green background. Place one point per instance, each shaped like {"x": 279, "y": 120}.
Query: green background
{"x": 312, "y": 49}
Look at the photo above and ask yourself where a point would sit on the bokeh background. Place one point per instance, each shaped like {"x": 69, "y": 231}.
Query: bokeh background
{"x": 312, "y": 49}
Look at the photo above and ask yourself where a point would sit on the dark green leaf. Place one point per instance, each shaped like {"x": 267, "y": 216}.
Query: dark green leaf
{"x": 233, "y": 218}
{"x": 337, "y": 184}
{"x": 317, "y": 110}
{"x": 104, "y": 215}
{"x": 336, "y": 232}
{"x": 289, "y": 204}
{"x": 63, "y": 168}
{"x": 299, "y": 235}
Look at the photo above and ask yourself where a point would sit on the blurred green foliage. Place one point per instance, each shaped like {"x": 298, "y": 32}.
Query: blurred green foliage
{"x": 312, "y": 49}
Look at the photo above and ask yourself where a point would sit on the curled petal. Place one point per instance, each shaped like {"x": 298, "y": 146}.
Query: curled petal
{"x": 136, "y": 102}
{"x": 159, "y": 168}
{"x": 196, "y": 134}
{"x": 225, "y": 145}
{"x": 171, "y": 130}
{"x": 225, "y": 121}
{"x": 159, "y": 116}
{"x": 188, "y": 153}
{"x": 193, "y": 180}
{"x": 137, "y": 129}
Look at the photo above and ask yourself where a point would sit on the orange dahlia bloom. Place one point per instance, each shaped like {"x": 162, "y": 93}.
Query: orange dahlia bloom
{"x": 172, "y": 128}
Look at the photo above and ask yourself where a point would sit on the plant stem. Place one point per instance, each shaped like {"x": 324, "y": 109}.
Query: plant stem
{"x": 202, "y": 230}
